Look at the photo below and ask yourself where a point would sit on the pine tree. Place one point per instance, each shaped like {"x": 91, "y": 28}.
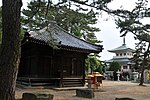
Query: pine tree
{"x": 131, "y": 22}
{"x": 75, "y": 21}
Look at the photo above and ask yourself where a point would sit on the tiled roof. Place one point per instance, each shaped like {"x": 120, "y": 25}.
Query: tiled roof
{"x": 54, "y": 33}
{"x": 121, "y": 48}
{"x": 120, "y": 60}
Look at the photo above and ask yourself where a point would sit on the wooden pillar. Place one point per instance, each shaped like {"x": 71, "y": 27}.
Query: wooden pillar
{"x": 83, "y": 73}
{"x": 83, "y": 68}
{"x": 61, "y": 72}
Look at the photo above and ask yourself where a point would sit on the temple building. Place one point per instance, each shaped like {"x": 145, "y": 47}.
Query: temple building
{"x": 52, "y": 56}
{"x": 122, "y": 55}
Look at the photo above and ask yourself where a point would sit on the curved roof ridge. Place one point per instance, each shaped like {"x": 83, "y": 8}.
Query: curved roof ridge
{"x": 120, "y": 48}
{"x": 64, "y": 38}
{"x": 76, "y": 36}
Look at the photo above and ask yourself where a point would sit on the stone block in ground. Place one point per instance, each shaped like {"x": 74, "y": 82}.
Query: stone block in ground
{"x": 86, "y": 93}
{"x": 37, "y": 96}
{"x": 126, "y": 98}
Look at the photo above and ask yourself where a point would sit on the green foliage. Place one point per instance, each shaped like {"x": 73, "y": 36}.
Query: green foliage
{"x": 114, "y": 66}
{"x": 97, "y": 4}
{"x": 94, "y": 63}
{"x": 76, "y": 21}
{"x": 132, "y": 22}
{"x": 99, "y": 69}
{"x": 138, "y": 57}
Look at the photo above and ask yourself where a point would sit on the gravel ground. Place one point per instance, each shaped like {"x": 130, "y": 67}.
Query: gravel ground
{"x": 111, "y": 90}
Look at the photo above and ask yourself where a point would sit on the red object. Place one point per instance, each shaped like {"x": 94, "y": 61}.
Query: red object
{"x": 93, "y": 80}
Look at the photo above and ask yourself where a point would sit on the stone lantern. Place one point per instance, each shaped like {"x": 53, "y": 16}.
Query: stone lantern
{"x": 118, "y": 75}
{"x": 135, "y": 76}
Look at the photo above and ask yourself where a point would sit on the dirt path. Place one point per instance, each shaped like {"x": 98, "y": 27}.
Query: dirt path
{"x": 112, "y": 89}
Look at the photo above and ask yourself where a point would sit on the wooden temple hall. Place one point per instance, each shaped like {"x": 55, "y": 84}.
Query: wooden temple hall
{"x": 52, "y": 56}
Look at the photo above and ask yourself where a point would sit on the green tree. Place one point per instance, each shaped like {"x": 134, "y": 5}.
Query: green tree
{"x": 93, "y": 63}
{"x": 76, "y": 20}
{"x": 99, "y": 68}
{"x": 131, "y": 22}
{"x": 138, "y": 57}
{"x": 114, "y": 66}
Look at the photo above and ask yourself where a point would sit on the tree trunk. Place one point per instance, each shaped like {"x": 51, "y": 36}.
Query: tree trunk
{"x": 144, "y": 64}
{"x": 10, "y": 48}
{"x": 142, "y": 76}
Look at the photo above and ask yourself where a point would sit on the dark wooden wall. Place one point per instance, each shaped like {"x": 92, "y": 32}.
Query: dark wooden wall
{"x": 43, "y": 61}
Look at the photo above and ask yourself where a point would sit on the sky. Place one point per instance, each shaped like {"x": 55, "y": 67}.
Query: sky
{"x": 109, "y": 34}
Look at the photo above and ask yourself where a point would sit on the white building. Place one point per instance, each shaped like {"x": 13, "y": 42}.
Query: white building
{"x": 122, "y": 55}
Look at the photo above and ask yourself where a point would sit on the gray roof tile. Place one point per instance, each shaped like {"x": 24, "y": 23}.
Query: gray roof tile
{"x": 54, "y": 33}
{"x": 121, "y": 48}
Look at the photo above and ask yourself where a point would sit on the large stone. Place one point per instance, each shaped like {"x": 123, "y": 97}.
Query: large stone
{"x": 86, "y": 93}
{"x": 124, "y": 98}
{"x": 37, "y": 96}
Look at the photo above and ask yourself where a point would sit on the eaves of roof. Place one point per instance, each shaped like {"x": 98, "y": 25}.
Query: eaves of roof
{"x": 123, "y": 60}
{"x": 64, "y": 40}
{"x": 121, "y": 48}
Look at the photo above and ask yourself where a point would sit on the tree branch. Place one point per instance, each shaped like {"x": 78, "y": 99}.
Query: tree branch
{"x": 35, "y": 11}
